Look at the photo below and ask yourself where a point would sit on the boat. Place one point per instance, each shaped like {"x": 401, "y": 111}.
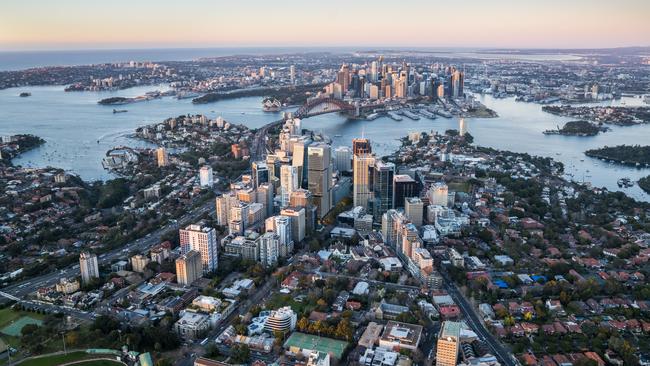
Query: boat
{"x": 443, "y": 114}
{"x": 372, "y": 116}
{"x": 338, "y": 135}
{"x": 411, "y": 115}
{"x": 187, "y": 95}
{"x": 119, "y": 111}
{"x": 394, "y": 116}
{"x": 625, "y": 182}
{"x": 427, "y": 114}
{"x": 25, "y": 94}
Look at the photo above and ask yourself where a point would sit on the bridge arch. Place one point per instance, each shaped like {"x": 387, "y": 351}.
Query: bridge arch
{"x": 318, "y": 106}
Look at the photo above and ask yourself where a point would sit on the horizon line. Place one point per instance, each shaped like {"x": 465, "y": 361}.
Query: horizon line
{"x": 356, "y": 48}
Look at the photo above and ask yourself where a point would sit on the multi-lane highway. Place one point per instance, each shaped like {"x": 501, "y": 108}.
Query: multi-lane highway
{"x": 474, "y": 321}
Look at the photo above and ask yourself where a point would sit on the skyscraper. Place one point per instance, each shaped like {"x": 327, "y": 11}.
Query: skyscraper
{"x": 264, "y": 195}
{"x": 457, "y": 84}
{"x": 292, "y": 74}
{"x": 403, "y": 186}
{"x": 259, "y": 173}
{"x": 206, "y": 178}
{"x": 188, "y": 268}
{"x": 383, "y": 187}
{"x": 288, "y": 183}
{"x": 203, "y": 240}
{"x": 448, "y": 344}
{"x": 362, "y": 162}
{"x": 88, "y": 267}
{"x": 162, "y": 157}
{"x": 343, "y": 159}
{"x": 462, "y": 127}
{"x": 320, "y": 176}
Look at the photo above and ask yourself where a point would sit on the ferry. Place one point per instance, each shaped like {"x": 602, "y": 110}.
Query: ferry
{"x": 372, "y": 116}
{"x": 443, "y": 114}
{"x": 427, "y": 114}
{"x": 394, "y": 116}
{"x": 187, "y": 95}
{"x": 411, "y": 115}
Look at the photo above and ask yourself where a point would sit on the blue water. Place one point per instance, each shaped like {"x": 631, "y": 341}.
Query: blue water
{"x": 73, "y": 123}
{"x": 18, "y": 60}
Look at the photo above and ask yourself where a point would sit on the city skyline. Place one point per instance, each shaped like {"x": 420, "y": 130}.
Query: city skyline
{"x": 39, "y": 25}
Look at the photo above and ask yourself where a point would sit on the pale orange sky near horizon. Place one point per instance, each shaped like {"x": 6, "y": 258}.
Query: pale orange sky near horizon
{"x": 68, "y": 24}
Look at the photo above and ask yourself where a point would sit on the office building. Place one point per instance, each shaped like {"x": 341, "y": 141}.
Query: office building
{"x": 297, "y": 217}
{"x": 206, "y": 178}
{"x": 264, "y": 195}
{"x": 438, "y": 194}
{"x": 189, "y": 268}
{"x": 320, "y": 176}
{"x": 414, "y": 210}
{"x": 203, "y": 240}
{"x": 382, "y": 181}
{"x": 288, "y": 183}
{"x": 259, "y": 173}
{"x": 401, "y": 336}
{"x": 162, "y": 157}
{"x": 448, "y": 344}
{"x": 88, "y": 266}
{"x": 300, "y": 198}
{"x": 343, "y": 159}
{"x": 403, "y": 186}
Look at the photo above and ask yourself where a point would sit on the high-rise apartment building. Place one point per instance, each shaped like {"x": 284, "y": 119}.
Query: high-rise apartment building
{"x": 88, "y": 266}
{"x": 203, "y": 240}
{"x": 448, "y": 344}
{"x": 320, "y": 176}
{"x": 297, "y": 217}
{"x": 162, "y": 157}
{"x": 269, "y": 245}
{"x": 382, "y": 182}
{"x": 189, "y": 268}
{"x": 288, "y": 183}
{"x": 223, "y": 205}
{"x": 206, "y": 178}
{"x": 361, "y": 183}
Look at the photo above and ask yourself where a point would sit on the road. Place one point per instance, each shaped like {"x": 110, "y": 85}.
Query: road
{"x": 473, "y": 319}
{"x": 24, "y": 288}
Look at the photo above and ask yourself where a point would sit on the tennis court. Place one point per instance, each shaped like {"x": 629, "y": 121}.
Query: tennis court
{"x": 304, "y": 342}
{"x": 15, "y": 327}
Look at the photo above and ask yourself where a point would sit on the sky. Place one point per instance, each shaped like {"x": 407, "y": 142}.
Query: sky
{"x": 90, "y": 24}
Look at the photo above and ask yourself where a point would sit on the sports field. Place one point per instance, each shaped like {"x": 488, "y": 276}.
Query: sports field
{"x": 13, "y": 329}
{"x": 304, "y": 341}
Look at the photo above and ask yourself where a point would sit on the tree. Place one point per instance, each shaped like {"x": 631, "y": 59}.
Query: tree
{"x": 240, "y": 353}
{"x": 303, "y": 324}
{"x": 28, "y": 330}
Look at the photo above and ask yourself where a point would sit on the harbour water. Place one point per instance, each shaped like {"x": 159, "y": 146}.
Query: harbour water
{"x": 78, "y": 131}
